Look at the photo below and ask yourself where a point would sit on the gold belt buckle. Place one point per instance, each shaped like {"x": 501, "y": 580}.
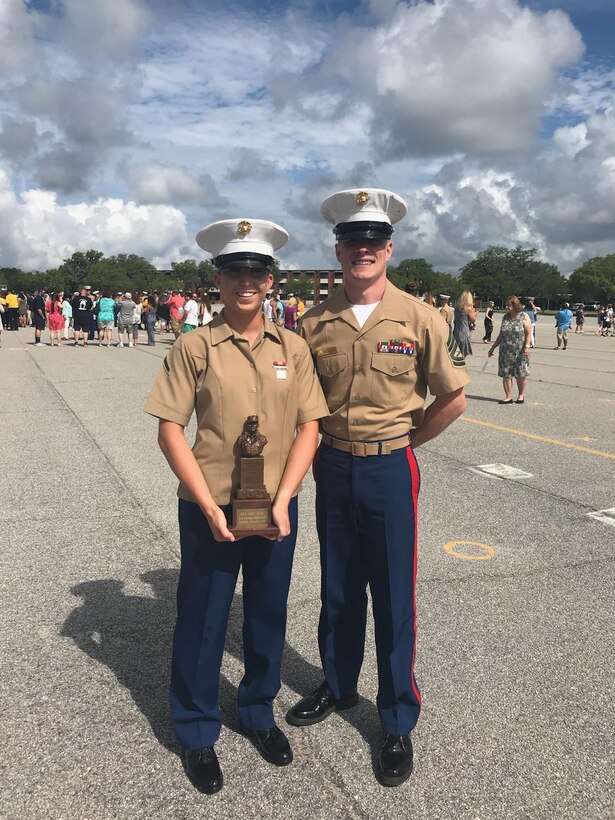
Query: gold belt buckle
{"x": 358, "y": 448}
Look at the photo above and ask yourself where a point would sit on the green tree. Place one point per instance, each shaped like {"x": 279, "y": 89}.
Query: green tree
{"x": 13, "y": 278}
{"x": 193, "y": 273}
{"x": 302, "y": 286}
{"x": 498, "y": 272}
{"x": 77, "y": 268}
{"x": 53, "y": 280}
{"x": 594, "y": 279}
{"x": 421, "y": 276}
{"x": 166, "y": 281}
{"x": 413, "y": 272}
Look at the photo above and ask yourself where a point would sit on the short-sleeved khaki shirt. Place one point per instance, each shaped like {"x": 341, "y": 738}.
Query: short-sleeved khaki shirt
{"x": 375, "y": 393}
{"x": 447, "y": 313}
{"x": 213, "y": 370}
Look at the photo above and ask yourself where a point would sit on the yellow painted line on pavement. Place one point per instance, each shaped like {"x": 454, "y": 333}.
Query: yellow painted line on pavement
{"x": 544, "y": 439}
{"x": 451, "y": 549}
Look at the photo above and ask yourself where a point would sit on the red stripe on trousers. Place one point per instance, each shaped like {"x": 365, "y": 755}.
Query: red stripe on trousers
{"x": 414, "y": 472}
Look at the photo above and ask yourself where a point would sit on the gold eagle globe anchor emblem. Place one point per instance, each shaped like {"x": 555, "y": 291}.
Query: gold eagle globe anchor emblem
{"x": 362, "y": 197}
{"x": 244, "y": 227}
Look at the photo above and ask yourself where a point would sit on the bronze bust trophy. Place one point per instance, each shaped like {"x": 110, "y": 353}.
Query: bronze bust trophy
{"x": 252, "y": 502}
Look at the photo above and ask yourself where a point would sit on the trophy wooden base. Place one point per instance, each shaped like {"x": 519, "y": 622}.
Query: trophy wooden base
{"x": 253, "y": 517}
{"x": 252, "y": 503}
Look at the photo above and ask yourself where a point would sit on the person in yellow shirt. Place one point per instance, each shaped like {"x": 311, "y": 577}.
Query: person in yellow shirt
{"x": 12, "y": 310}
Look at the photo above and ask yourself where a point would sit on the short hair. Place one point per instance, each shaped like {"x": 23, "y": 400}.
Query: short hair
{"x": 515, "y": 302}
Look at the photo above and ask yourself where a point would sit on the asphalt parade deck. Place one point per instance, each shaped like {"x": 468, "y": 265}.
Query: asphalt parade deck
{"x": 515, "y": 596}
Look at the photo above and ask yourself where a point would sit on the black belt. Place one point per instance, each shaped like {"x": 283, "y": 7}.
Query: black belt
{"x": 367, "y": 448}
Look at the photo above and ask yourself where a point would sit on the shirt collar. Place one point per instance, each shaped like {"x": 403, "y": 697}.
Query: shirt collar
{"x": 391, "y": 306}
{"x": 221, "y": 331}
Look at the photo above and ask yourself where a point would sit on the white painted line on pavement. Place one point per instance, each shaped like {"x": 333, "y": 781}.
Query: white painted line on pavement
{"x": 502, "y": 471}
{"x": 604, "y": 516}
{"x": 483, "y": 474}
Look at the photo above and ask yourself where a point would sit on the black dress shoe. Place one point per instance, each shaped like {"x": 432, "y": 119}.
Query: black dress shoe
{"x": 318, "y": 706}
{"x": 395, "y": 760}
{"x": 272, "y": 744}
{"x": 203, "y": 769}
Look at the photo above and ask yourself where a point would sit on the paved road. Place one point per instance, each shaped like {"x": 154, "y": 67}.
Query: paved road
{"x": 516, "y": 636}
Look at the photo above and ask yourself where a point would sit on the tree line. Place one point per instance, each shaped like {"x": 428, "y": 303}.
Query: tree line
{"x": 495, "y": 273}
{"x": 498, "y": 272}
{"x": 124, "y": 272}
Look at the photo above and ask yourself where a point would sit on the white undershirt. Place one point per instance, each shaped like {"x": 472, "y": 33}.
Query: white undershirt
{"x": 363, "y": 312}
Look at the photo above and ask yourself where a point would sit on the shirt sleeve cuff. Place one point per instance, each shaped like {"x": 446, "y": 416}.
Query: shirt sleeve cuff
{"x": 451, "y": 384}
{"x": 319, "y": 412}
{"x": 158, "y": 410}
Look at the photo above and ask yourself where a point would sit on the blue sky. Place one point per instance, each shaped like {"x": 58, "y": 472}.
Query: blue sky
{"x": 595, "y": 19}
{"x": 126, "y": 126}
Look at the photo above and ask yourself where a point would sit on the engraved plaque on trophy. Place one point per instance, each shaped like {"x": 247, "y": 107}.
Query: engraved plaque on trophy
{"x": 251, "y": 502}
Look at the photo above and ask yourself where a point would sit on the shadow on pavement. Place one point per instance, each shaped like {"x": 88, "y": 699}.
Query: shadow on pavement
{"x": 131, "y": 635}
{"x": 480, "y": 398}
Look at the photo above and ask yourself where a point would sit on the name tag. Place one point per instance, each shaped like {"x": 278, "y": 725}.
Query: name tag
{"x": 280, "y": 370}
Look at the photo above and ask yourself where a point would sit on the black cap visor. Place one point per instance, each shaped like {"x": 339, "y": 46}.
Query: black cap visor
{"x": 245, "y": 259}
{"x": 363, "y": 230}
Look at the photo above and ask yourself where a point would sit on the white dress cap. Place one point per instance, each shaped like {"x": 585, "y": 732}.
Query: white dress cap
{"x": 242, "y": 242}
{"x": 368, "y": 205}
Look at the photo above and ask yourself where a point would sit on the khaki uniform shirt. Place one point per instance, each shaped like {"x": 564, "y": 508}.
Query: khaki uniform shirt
{"x": 448, "y": 314}
{"x": 213, "y": 370}
{"x": 374, "y": 395}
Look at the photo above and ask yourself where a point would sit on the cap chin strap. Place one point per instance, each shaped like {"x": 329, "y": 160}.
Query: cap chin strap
{"x": 244, "y": 259}
{"x": 363, "y": 230}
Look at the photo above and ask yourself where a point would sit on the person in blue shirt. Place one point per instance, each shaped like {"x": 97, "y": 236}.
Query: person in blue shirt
{"x": 563, "y": 317}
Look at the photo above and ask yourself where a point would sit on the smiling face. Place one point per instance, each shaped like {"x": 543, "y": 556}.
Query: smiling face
{"x": 243, "y": 290}
{"x": 363, "y": 261}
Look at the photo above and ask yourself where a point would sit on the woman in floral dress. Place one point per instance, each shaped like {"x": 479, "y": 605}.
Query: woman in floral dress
{"x": 514, "y": 341}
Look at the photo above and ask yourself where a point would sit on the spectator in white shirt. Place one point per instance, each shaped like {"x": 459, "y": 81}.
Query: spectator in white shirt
{"x": 190, "y": 313}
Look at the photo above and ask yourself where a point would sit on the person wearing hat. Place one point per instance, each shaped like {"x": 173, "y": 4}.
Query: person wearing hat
{"x": 377, "y": 351}
{"x": 446, "y": 309}
{"x": 237, "y": 366}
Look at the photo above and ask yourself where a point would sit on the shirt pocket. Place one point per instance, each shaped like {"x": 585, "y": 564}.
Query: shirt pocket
{"x": 335, "y": 378}
{"x": 393, "y": 378}
{"x": 331, "y": 366}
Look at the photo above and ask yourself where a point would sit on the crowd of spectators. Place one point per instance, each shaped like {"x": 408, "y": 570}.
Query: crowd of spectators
{"x": 93, "y": 316}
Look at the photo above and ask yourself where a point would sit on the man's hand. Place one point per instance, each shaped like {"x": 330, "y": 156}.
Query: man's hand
{"x": 440, "y": 413}
{"x": 279, "y": 513}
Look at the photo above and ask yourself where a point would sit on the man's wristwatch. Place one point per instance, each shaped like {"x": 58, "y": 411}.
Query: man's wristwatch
{"x": 527, "y": 347}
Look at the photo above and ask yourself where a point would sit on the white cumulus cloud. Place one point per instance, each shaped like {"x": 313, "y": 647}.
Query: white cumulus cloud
{"x": 36, "y": 232}
{"x": 446, "y": 76}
